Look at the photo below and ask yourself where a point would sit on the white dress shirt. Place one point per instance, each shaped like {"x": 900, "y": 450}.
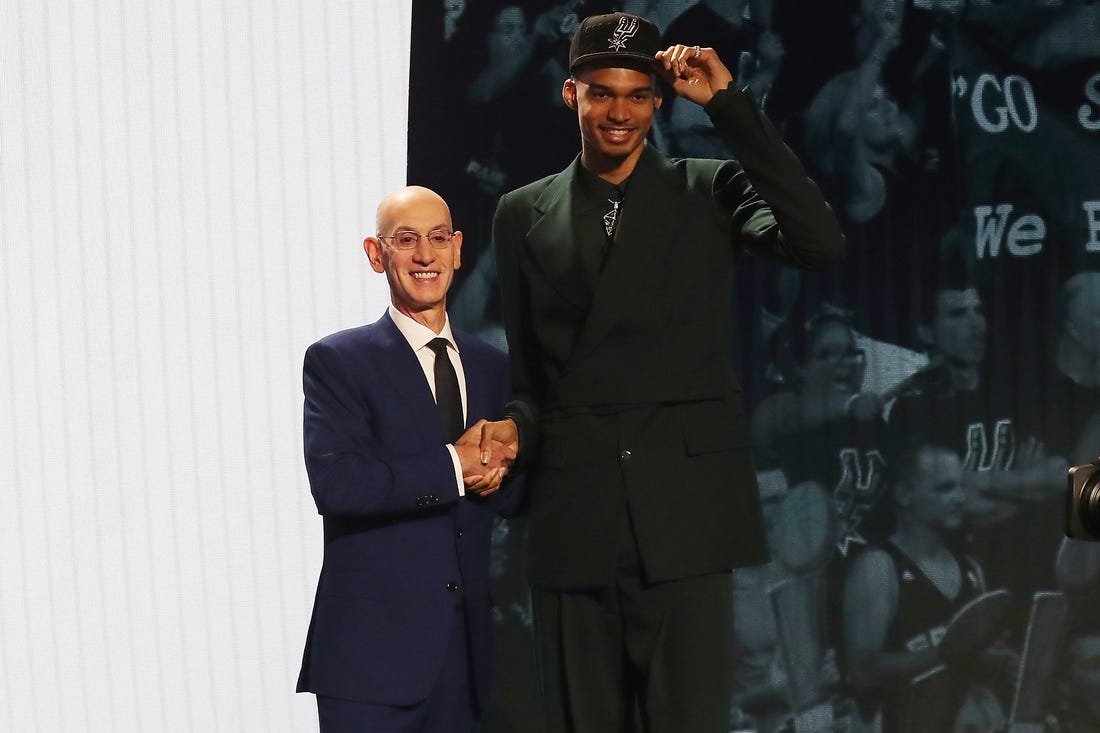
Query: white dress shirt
{"x": 418, "y": 336}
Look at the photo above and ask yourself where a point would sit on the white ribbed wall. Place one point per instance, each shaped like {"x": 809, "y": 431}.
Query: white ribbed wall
{"x": 184, "y": 188}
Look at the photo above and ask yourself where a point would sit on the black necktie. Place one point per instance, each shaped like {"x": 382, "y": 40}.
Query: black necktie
{"x": 448, "y": 400}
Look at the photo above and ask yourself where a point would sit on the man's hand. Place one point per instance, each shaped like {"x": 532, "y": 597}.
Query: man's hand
{"x": 495, "y": 436}
{"x": 483, "y": 485}
{"x": 694, "y": 73}
{"x": 484, "y": 462}
{"x": 495, "y": 444}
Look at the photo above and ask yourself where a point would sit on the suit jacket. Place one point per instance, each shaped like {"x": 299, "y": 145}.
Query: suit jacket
{"x": 402, "y": 548}
{"x": 625, "y": 394}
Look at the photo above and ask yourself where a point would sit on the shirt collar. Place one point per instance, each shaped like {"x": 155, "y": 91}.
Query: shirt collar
{"x": 417, "y": 334}
{"x": 597, "y": 189}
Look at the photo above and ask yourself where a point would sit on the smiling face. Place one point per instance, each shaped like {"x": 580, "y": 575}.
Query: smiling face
{"x": 615, "y": 109}
{"x": 419, "y": 277}
{"x": 833, "y": 363}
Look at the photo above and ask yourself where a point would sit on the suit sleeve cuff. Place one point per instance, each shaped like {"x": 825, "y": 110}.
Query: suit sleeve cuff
{"x": 458, "y": 469}
{"x": 524, "y": 414}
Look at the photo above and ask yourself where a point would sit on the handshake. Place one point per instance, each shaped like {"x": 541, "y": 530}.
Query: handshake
{"x": 486, "y": 451}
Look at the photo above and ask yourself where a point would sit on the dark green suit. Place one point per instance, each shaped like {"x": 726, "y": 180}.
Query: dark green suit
{"x": 643, "y": 493}
{"x": 651, "y": 344}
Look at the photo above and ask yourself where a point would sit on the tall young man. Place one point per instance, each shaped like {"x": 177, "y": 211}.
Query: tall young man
{"x": 616, "y": 276}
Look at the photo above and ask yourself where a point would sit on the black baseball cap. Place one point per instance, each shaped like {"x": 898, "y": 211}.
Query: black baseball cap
{"x": 614, "y": 37}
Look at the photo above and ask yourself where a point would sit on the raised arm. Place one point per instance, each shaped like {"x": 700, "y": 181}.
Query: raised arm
{"x": 776, "y": 210}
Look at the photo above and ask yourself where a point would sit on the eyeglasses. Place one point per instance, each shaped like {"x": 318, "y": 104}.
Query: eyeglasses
{"x": 438, "y": 238}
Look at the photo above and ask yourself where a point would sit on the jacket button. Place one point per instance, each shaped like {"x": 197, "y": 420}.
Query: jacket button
{"x": 460, "y": 534}
{"x": 452, "y": 587}
{"x": 624, "y": 455}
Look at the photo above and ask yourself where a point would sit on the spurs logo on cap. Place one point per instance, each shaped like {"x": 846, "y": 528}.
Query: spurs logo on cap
{"x": 614, "y": 38}
{"x": 625, "y": 30}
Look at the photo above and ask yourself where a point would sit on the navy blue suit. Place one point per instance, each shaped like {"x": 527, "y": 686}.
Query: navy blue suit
{"x": 403, "y": 550}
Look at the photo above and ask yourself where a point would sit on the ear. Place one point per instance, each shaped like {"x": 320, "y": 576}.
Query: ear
{"x": 457, "y": 243}
{"x": 657, "y": 98}
{"x": 373, "y": 247}
{"x": 569, "y": 94}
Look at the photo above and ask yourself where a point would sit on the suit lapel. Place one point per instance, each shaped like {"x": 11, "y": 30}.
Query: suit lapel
{"x": 635, "y": 265}
{"x": 400, "y": 365}
{"x": 559, "y": 258}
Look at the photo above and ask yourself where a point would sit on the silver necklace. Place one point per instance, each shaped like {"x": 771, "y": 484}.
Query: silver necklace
{"x": 611, "y": 218}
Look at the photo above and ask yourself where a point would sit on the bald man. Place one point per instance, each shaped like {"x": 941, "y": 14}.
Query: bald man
{"x": 400, "y": 634}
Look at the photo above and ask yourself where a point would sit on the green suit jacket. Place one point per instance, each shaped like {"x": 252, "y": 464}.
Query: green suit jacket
{"x": 625, "y": 393}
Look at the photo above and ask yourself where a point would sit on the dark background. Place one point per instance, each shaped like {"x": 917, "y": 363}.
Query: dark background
{"x": 933, "y": 127}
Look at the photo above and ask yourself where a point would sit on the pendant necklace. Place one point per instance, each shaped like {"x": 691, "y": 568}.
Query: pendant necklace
{"x": 611, "y": 218}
